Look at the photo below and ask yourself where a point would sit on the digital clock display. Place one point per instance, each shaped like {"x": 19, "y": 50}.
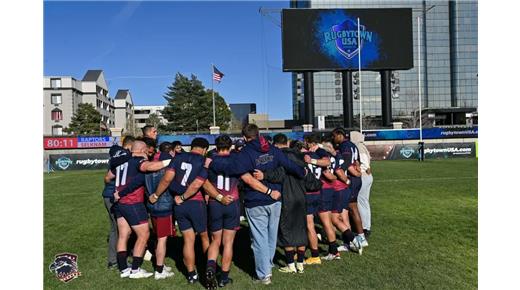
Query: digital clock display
{"x": 60, "y": 143}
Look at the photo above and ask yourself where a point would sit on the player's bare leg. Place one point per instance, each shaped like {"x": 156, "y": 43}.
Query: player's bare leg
{"x": 125, "y": 231}
{"x": 228, "y": 238}
{"x": 346, "y": 233}
{"x": 188, "y": 250}
{"x": 359, "y": 242}
{"x": 326, "y": 221}
{"x": 213, "y": 251}
{"x": 313, "y": 242}
{"x": 205, "y": 241}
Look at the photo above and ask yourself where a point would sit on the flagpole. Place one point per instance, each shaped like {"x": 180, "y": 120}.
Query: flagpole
{"x": 419, "y": 74}
{"x": 213, "y": 95}
{"x": 359, "y": 72}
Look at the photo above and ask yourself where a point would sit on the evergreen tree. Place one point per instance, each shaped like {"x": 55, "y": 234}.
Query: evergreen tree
{"x": 154, "y": 120}
{"x": 86, "y": 120}
{"x": 190, "y": 103}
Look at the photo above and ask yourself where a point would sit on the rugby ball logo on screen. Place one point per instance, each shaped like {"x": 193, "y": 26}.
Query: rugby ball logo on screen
{"x": 336, "y": 34}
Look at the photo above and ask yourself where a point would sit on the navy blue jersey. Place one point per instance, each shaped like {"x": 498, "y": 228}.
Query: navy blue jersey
{"x": 337, "y": 163}
{"x": 117, "y": 156}
{"x": 318, "y": 154}
{"x": 130, "y": 173}
{"x": 187, "y": 167}
{"x": 225, "y": 182}
{"x": 350, "y": 154}
{"x": 258, "y": 154}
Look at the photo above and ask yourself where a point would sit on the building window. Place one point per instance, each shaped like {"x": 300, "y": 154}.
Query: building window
{"x": 55, "y": 83}
{"x": 56, "y": 115}
{"x": 57, "y": 130}
{"x": 56, "y": 99}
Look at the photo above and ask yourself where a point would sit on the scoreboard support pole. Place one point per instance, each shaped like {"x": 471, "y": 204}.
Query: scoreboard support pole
{"x": 308, "y": 94}
{"x": 386, "y": 97}
{"x": 348, "y": 107}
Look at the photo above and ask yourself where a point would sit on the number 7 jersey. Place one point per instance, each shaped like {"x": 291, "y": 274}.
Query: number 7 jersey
{"x": 187, "y": 167}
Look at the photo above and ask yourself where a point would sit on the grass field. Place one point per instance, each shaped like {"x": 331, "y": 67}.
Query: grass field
{"x": 424, "y": 223}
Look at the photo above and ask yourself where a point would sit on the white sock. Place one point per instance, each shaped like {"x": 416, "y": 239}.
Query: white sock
{"x": 362, "y": 235}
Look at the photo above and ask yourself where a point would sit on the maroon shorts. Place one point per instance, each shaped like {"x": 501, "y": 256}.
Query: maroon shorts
{"x": 164, "y": 226}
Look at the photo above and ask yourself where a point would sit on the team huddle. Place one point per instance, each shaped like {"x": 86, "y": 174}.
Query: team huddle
{"x": 282, "y": 187}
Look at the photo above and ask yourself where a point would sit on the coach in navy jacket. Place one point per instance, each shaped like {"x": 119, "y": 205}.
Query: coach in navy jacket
{"x": 262, "y": 208}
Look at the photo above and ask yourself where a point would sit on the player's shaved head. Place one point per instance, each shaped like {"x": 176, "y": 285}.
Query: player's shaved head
{"x": 139, "y": 146}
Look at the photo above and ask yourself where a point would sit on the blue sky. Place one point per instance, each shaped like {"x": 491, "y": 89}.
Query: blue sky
{"x": 142, "y": 45}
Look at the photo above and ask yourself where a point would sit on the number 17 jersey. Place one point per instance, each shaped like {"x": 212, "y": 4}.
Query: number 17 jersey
{"x": 187, "y": 167}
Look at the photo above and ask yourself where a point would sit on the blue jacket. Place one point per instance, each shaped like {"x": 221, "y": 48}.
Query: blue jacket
{"x": 258, "y": 154}
{"x": 164, "y": 205}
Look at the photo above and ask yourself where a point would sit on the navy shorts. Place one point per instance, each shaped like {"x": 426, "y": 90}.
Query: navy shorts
{"x": 224, "y": 216}
{"x": 115, "y": 210}
{"x": 341, "y": 199}
{"x": 191, "y": 214}
{"x": 337, "y": 205}
{"x": 327, "y": 199}
{"x": 355, "y": 186}
{"x": 313, "y": 203}
{"x": 134, "y": 214}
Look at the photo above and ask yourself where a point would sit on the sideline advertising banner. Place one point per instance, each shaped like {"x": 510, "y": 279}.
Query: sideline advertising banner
{"x": 428, "y": 133}
{"x": 66, "y": 162}
{"x": 431, "y": 151}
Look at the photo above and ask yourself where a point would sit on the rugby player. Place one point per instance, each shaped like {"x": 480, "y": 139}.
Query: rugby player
{"x": 341, "y": 195}
{"x": 130, "y": 210}
{"x": 350, "y": 154}
{"x": 320, "y": 202}
{"x": 224, "y": 215}
{"x": 262, "y": 208}
{"x": 118, "y": 155}
{"x": 183, "y": 178}
{"x": 161, "y": 212}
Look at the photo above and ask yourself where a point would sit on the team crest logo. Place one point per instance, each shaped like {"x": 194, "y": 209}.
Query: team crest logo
{"x": 65, "y": 267}
{"x": 63, "y": 162}
{"x": 346, "y": 38}
{"x": 407, "y": 152}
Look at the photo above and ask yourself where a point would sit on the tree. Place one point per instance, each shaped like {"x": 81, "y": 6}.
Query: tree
{"x": 189, "y": 104}
{"x": 86, "y": 120}
{"x": 154, "y": 120}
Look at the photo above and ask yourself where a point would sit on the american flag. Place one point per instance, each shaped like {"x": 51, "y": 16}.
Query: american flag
{"x": 217, "y": 75}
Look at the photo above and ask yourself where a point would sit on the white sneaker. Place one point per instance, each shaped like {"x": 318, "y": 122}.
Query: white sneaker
{"x": 356, "y": 246}
{"x": 141, "y": 273}
{"x": 165, "y": 274}
{"x": 169, "y": 269}
{"x": 299, "y": 267}
{"x": 331, "y": 257}
{"x": 125, "y": 273}
{"x": 147, "y": 256}
{"x": 362, "y": 241}
{"x": 290, "y": 268}
{"x": 343, "y": 248}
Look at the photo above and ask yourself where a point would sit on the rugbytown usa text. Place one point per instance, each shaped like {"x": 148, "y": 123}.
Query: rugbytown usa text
{"x": 92, "y": 161}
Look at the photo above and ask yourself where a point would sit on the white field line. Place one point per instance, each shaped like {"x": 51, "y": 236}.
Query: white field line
{"x": 424, "y": 179}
